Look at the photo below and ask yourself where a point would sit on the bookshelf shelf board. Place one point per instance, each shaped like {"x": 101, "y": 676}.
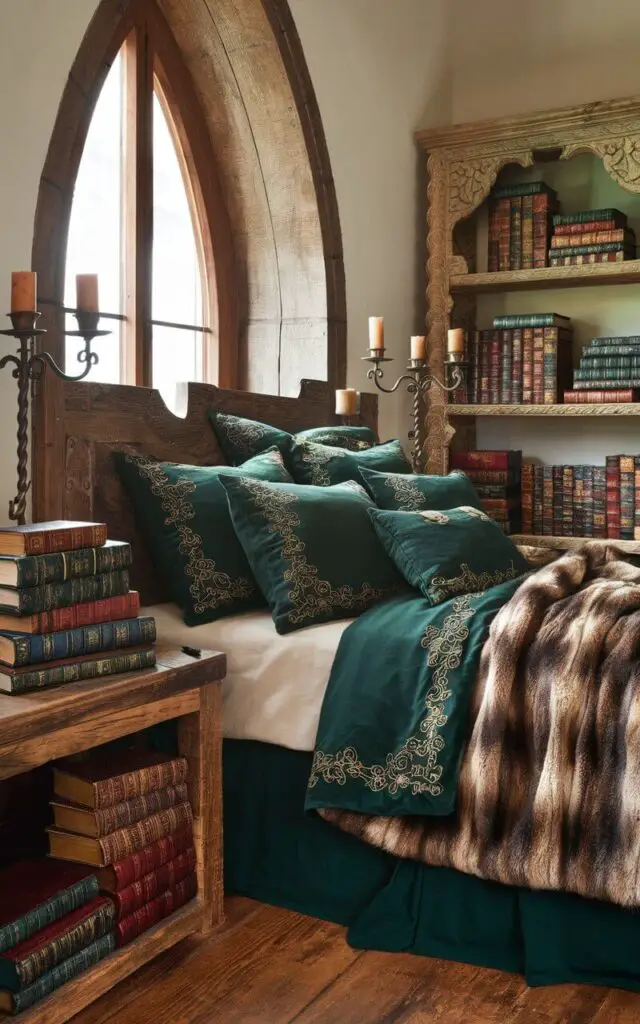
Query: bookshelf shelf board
{"x": 595, "y": 409}
{"x": 83, "y": 990}
{"x": 542, "y": 278}
{"x": 566, "y": 543}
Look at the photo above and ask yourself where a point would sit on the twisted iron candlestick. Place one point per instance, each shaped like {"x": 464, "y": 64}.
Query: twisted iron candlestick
{"x": 28, "y": 366}
{"x": 419, "y": 381}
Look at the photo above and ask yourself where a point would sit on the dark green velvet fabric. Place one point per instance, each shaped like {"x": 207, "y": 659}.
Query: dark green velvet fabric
{"x": 394, "y": 718}
{"x": 414, "y": 492}
{"x": 323, "y": 465}
{"x": 443, "y": 554}
{"x": 241, "y": 438}
{"x": 184, "y": 515}
{"x": 312, "y": 550}
{"x": 276, "y": 853}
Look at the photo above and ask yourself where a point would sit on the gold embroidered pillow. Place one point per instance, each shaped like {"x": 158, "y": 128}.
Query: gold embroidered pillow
{"x": 184, "y": 513}
{"x": 312, "y": 550}
{"x": 413, "y": 492}
{"x": 447, "y": 553}
{"x": 240, "y": 438}
{"x": 324, "y": 465}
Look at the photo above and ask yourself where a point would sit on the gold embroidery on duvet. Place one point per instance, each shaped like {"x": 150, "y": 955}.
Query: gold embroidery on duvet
{"x": 415, "y": 765}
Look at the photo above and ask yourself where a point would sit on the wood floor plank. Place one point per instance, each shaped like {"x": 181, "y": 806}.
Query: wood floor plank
{"x": 619, "y": 1008}
{"x": 271, "y": 966}
{"x": 109, "y": 1007}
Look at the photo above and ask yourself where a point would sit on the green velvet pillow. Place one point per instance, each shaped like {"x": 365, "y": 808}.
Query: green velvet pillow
{"x": 415, "y": 492}
{"x": 313, "y": 550}
{"x": 323, "y": 465}
{"x": 240, "y": 438}
{"x": 184, "y": 514}
{"x": 443, "y": 554}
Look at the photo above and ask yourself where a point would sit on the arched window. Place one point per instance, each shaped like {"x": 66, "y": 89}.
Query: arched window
{"x": 136, "y": 220}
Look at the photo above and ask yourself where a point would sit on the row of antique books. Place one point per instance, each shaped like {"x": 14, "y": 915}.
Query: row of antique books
{"x": 122, "y": 859}
{"x": 497, "y": 477}
{"x": 583, "y": 501}
{"x": 66, "y": 608}
{"x": 520, "y": 225}
{"x": 524, "y": 359}
{"x": 593, "y": 236}
{"x": 526, "y": 230}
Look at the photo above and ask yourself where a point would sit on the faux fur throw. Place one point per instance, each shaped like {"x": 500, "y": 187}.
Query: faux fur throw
{"x": 549, "y": 790}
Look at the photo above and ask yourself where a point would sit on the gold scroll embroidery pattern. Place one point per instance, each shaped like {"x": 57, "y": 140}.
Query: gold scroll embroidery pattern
{"x": 441, "y": 587}
{"x": 416, "y": 764}
{"x": 209, "y": 586}
{"x": 406, "y": 492}
{"x": 243, "y": 435}
{"x": 309, "y": 595}
{"x": 318, "y": 460}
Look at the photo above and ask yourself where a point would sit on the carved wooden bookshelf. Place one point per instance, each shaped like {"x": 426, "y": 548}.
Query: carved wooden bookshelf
{"x": 547, "y": 277}
{"x": 601, "y": 409}
{"x": 463, "y": 162}
{"x": 632, "y": 547}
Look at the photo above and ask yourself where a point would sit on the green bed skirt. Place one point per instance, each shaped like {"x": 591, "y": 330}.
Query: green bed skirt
{"x": 277, "y": 854}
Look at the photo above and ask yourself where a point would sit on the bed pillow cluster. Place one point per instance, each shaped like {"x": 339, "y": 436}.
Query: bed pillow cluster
{"x": 241, "y": 438}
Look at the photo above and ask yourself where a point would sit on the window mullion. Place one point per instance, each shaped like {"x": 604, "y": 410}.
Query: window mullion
{"x": 138, "y": 202}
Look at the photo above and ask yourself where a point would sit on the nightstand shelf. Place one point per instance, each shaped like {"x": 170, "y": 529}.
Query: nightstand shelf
{"x": 49, "y": 724}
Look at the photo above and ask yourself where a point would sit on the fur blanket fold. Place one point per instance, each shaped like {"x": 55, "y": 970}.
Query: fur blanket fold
{"x": 549, "y": 790}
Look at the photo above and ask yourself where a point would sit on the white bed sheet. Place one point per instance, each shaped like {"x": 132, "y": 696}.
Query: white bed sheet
{"x": 275, "y": 684}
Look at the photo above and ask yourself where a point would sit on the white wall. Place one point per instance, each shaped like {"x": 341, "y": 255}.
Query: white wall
{"x": 554, "y": 53}
{"x": 380, "y": 70}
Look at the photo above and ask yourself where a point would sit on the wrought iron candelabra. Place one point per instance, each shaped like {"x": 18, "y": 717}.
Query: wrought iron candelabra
{"x": 419, "y": 382}
{"x": 28, "y": 367}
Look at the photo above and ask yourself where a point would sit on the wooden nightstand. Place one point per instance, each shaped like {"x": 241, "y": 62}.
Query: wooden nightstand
{"x": 41, "y": 726}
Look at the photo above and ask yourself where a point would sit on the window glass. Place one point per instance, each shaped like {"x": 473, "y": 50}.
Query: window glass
{"x": 95, "y": 243}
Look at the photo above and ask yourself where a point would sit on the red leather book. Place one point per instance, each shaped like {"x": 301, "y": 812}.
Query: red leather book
{"x": 23, "y": 964}
{"x": 486, "y": 460}
{"x": 100, "y": 851}
{"x": 108, "y": 609}
{"x": 150, "y": 886}
{"x": 148, "y": 915}
{"x": 596, "y": 397}
{"x": 128, "y": 870}
{"x": 527, "y": 365}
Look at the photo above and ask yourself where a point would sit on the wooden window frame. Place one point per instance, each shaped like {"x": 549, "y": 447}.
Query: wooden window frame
{"x": 151, "y": 55}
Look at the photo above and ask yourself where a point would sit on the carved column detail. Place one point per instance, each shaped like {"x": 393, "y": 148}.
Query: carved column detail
{"x": 438, "y": 304}
{"x": 620, "y": 156}
{"x": 472, "y": 177}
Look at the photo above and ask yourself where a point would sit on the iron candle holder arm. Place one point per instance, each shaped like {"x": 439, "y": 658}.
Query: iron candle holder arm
{"x": 28, "y": 365}
{"x": 418, "y": 382}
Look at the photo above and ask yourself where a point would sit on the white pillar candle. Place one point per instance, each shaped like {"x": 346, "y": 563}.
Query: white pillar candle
{"x": 346, "y": 402}
{"x": 418, "y": 347}
{"x": 455, "y": 341}
{"x": 376, "y": 332}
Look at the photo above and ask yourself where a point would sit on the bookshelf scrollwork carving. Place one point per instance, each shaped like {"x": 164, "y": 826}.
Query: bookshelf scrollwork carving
{"x": 471, "y": 179}
{"x": 620, "y": 157}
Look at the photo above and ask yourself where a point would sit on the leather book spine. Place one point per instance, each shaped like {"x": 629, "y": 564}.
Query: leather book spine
{"x": 124, "y": 841}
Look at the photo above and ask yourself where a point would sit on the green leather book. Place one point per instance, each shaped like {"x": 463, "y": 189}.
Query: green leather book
{"x": 32, "y": 600}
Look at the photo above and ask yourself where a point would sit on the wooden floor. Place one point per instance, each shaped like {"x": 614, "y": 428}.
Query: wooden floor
{"x": 270, "y": 966}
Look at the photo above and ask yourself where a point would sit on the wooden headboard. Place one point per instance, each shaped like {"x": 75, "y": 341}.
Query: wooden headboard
{"x": 74, "y": 470}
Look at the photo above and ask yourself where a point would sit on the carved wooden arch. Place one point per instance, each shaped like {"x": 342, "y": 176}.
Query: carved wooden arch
{"x": 271, "y": 202}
